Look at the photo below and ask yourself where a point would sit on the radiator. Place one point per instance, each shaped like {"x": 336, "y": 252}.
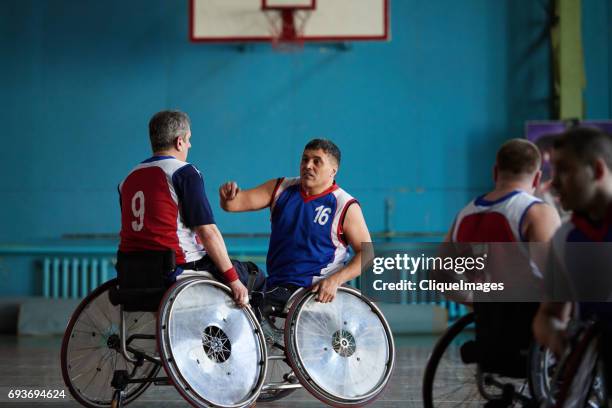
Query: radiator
{"x": 75, "y": 277}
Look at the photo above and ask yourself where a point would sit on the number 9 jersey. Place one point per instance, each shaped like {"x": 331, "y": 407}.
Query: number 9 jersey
{"x": 307, "y": 241}
{"x": 161, "y": 200}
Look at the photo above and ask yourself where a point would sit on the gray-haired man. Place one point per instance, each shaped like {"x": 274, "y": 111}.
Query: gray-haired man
{"x": 164, "y": 206}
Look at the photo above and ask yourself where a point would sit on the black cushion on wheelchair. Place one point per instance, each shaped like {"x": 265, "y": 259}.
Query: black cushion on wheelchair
{"x": 278, "y": 296}
{"x": 142, "y": 279}
{"x": 272, "y": 302}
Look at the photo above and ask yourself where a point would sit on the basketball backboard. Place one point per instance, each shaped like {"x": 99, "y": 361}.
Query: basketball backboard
{"x": 288, "y": 20}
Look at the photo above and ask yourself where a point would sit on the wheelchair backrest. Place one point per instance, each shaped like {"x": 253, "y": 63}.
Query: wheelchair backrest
{"x": 142, "y": 279}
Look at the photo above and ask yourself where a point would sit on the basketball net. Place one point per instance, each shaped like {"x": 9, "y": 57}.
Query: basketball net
{"x": 287, "y": 28}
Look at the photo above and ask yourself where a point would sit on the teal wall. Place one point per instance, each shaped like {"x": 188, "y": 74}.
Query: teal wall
{"x": 418, "y": 118}
{"x": 597, "y": 43}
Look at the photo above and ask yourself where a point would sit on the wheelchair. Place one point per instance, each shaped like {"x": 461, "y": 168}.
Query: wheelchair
{"x": 134, "y": 331}
{"x": 322, "y": 346}
{"x": 581, "y": 376}
{"x": 468, "y": 367}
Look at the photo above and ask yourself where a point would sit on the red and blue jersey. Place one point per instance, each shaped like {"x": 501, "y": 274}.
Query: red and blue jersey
{"x": 581, "y": 256}
{"x": 499, "y": 220}
{"x": 161, "y": 200}
{"x": 580, "y": 229}
{"x": 307, "y": 242}
{"x": 579, "y": 269}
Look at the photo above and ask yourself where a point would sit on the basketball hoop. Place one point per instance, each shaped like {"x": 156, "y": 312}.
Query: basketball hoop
{"x": 287, "y": 28}
{"x": 284, "y": 22}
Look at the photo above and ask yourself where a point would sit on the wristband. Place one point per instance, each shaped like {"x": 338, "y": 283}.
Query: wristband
{"x": 230, "y": 275}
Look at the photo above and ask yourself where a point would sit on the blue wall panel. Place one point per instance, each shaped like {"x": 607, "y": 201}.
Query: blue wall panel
{"x": 597, "y": 37}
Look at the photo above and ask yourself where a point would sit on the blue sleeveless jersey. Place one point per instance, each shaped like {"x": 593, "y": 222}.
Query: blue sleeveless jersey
{"x": 307, "y": 242}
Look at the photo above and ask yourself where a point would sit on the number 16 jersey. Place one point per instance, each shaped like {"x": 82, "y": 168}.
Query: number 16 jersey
{"x": 162, "y": 199}
{"x": 307, "y": 242}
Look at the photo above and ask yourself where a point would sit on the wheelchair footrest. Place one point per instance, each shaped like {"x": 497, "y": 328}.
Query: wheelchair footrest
{"x": 290, "y": 377}
{"x": 506, "y": 399}
{"x": 162, "y": 381}
{"x": 281, "y": 386}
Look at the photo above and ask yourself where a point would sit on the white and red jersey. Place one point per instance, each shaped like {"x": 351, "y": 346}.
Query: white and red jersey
{"x": 499, "y": 220}
{"x": 162, "y": 199}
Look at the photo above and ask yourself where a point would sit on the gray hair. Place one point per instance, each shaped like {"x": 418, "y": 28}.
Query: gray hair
{"x": 165, "y": 127}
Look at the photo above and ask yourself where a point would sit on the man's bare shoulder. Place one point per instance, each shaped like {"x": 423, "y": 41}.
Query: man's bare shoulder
{"x": 542, "y": 212}
{"x": 541, "y": 221}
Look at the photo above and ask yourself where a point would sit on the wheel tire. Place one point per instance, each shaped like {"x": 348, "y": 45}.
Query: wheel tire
{"x": 436, "y": 356}
{"x": 307, "y": 380}
{"x": 202, "y": 308}
{"x": 133, "y": 392}
{"x": 577, "y": 376}
{"x": 542, "y": 366}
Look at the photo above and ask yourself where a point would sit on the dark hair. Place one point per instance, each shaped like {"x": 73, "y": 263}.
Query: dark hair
{"x": 326, "y": 145}
{"x": 517, "y": 157}
{"x": 588, "y": 144}
{"x": 546, "y": 142}
{"x": 165, "y": 127}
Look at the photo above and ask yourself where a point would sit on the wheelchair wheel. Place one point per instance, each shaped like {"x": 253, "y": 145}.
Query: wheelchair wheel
{"x": 448, "y": 381}
{"x": 579, "y": 382}
{"x": 542, "y": 367}
{"x": 213, "y": 351}
{"x": 90, "y": 350}
{"x": 342, "y": 352}
{"x": 453, "y": 378}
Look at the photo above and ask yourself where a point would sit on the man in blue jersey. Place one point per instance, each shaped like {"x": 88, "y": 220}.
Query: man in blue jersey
{"x": 313, "y": 222}
{"x": 582, "y": 161}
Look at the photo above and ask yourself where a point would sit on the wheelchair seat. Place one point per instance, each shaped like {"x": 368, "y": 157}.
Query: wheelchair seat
{"x": 142, "y": 279}
{"x": 271, "y": 304}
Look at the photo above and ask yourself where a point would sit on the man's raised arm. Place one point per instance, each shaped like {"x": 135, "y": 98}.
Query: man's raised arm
{"x": 235, "y": 200}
